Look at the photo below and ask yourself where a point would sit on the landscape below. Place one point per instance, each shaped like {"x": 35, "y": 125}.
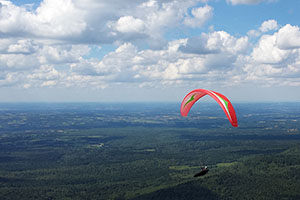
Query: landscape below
{"x": 148, "y": 151}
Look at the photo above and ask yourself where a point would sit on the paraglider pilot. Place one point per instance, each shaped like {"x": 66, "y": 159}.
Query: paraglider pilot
{"x": 202, "y": 172}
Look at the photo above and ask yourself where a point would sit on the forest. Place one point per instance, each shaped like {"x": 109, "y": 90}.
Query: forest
{"x": 148, "y": 151}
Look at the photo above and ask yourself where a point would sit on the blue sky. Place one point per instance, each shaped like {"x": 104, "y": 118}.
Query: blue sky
{"x": 152, "y": 50}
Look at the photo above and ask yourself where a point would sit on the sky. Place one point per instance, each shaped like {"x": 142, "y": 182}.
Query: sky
{"x": 149, "y": 50}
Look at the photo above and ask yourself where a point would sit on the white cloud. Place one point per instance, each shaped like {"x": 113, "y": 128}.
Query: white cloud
{"x": 45, "y": 73}
{"x": 22, "y": 46}
{"x": 58, "y": 18}
{"x": 94, "y": 21}
{"x": 248, "y": 2}
{"x": 17, "y": 46}
{"x": 267, "y": 52}
{"x": 288, "y": 37}
{"x": 268, "y": 26}
{"x": 50, "y": 46}
{"x": 59, "y": 54}
{"x": 275, "y": 59}
{"x": 199, "y": 16}
{"x": 9, "y": 79}
{"x": 52, "y": 19}
{"x": 220, "y": 56}
{"x": 129, "y": 24}
{"x": 17, "y": 62}
{"x": 215, "y": 42}
{"x": 48, "y": 83}
{"x": 253, "y": 33}
{"x": 154, "y": 67}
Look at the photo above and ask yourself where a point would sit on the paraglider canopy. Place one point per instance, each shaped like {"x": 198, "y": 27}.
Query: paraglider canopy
{"x": 195, "y": 95}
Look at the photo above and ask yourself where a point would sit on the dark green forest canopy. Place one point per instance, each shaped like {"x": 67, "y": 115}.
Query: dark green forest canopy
{"x": 148, "y": 151}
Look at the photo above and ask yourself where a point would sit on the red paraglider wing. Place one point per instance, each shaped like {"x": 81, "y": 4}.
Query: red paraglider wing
{"x": 195, "y": 95}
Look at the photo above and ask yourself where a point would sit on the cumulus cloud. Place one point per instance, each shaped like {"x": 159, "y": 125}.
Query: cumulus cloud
{"x": 248, "y": 2}
{"x": 199, "y": 16}
{"x": 267, "y": 52}
{"x": 9, "y": 79}
{"x": 275, "y": 59}
{"x": 52, "y": 19}
{"x": 215, "y": 42}
{"x": 129, "y": 24}
{"x": 60, "y": 54}
{"x": 168, "y": 66}
{"x": 268, "y": 26}
{"x": 46, "y": 76}
{"x": 20, "y": 46}
{"x": 50, "y": 46}
{"x": 95, "y": 21}
{"x": 288, "y": 37}
{"x": 57, "y": 20}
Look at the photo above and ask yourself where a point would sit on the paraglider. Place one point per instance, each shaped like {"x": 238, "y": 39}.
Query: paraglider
{"x": 195, "y": 95}
{"x": 203, "y": 171}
